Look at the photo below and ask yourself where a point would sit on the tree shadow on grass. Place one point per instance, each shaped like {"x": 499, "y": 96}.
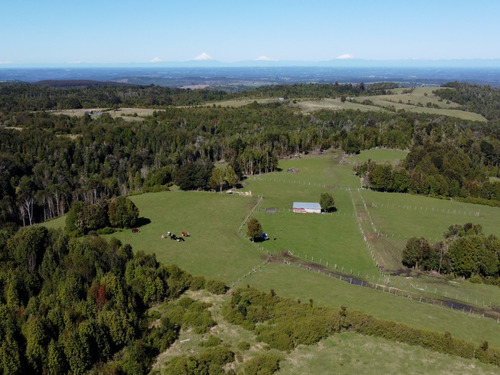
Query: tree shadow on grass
{"x": 143, "y": 221}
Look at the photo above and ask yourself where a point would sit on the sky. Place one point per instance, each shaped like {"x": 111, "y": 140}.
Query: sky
{"x": 54, "y": 32}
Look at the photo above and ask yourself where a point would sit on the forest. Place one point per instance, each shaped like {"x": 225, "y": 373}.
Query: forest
{"x": 49, "y": 161}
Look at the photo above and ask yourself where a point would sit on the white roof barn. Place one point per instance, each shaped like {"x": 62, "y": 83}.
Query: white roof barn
{"x": 307, "y": 207}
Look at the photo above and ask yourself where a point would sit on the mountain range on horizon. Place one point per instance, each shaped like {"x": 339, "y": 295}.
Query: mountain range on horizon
{"x": 346, "y": 61}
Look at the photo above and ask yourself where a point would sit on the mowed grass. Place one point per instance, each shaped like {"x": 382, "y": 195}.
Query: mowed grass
{"x": 215, "y": 248}
{"x": 297, "y": 283}
{"x": 349, "y": 353}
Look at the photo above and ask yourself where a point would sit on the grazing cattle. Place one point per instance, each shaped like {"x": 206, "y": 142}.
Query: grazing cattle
{"x": 180, "y": 239}
{"x": 173, "y": 236}
{"x": 135, "y": 230}
{"x": 185, "y": 234}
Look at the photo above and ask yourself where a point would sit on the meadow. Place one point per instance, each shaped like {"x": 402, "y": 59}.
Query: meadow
{"x": 218, "y": 246}
{"x": 128, "y": 114}
{"x": 418, "y": 100}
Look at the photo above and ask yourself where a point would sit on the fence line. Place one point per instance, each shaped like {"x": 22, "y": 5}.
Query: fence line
{"x": 250, "y": 213}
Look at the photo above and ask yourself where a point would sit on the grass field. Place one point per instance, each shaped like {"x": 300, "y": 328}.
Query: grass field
{"x": 214, "y": 249}
{"x": 298, "y": 283}
{"x": 218, "y": 248}
{"x": 348, "y": 353}
{"x": 128, "y": 114}
{"x": 380, "y": 155}
{"x": 419, "y": 100}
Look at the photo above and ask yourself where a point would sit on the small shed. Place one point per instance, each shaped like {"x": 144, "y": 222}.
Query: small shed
{"x": 307, "y": 207}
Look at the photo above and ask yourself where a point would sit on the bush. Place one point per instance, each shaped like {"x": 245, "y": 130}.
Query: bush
{"x": 211, "y": 342}
{"x": 216, "y": 286}
{"x": 106, "y": 230}
{"x": 197, "y": 283}
{"x": 263, "y": 364}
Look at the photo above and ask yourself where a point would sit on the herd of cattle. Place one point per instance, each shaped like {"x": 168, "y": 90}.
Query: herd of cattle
{"x": 174, "y": 237}
{"x": 170, "y": 235}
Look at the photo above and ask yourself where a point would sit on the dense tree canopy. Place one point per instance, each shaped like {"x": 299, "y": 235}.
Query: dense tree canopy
{"x": 69, "y": 305}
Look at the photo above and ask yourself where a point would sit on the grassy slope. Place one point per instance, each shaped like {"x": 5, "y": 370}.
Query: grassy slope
{"x": 217, "y": 249}
{"x": 345, "y": 353}
{"x": 415, "y": 101}
{"x": 348, "y": 353}
{"x": 214, "y": 249}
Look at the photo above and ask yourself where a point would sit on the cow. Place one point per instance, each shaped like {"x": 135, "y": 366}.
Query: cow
{"x": 173, "y": 236}
{"x": 180, "y": 239}
{"x": 185, "y": 234}
{"x": 135, "y": 230}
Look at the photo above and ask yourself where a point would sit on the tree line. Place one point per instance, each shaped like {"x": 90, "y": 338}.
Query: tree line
{"x": 465, "y": 251}
{"x": 442, "y": 167}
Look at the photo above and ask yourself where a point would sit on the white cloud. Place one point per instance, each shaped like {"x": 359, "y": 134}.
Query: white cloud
{"x": 5, "y": 62}
{"x": 264, "y": 58}
{"x": 345, "y": 57}
{"x": 156, "y": 60}
{"x": 204, "y": 56}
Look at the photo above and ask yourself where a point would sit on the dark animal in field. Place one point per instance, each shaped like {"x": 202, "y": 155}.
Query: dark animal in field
{"x": 135, "y": 230}
{"x": 180, "y": 239}
{"x": 185, "y": 234}
{"x": 173, "y": 236}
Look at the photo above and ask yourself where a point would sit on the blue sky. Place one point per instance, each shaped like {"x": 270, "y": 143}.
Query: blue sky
{"x": 54, "y": 32}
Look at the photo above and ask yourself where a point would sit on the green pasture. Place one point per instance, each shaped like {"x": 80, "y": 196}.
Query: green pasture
{"x": 218, "y": 248}
{"x": 418, "y": 95}
{"x": 397, "y": 217}
{"x": 336, "y": 104}
{"x": 330, "y": 239}
{"x": 214, "y": 249}
{"x": 349, "y": 353}
{"x": 298, "y": 283}
{"x": 380, "y": 156}
{"x": 414, "y": 101}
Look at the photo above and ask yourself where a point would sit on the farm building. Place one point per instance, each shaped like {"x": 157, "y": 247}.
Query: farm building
{"x": 307, "y": 207}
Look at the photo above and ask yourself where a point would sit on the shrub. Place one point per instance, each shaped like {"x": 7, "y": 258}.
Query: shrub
{"x": 197, "y": 283}
{"x": 216, "y": 286}
{"x": 106, "y": 230}
{"x": 211, "y": 342}
{"x": 263, "y": 364}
